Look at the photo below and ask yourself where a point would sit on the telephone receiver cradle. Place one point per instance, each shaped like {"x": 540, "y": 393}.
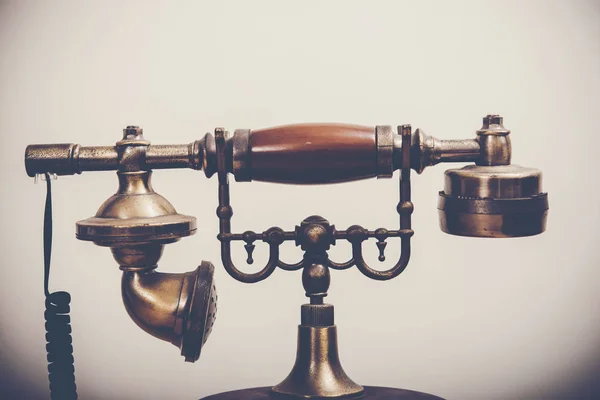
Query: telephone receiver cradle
{"x": 489, "y": 198}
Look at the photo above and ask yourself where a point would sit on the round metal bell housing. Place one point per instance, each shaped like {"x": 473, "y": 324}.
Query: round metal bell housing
{"x": 136, "y": 214}
{"x": 493, "y": 201}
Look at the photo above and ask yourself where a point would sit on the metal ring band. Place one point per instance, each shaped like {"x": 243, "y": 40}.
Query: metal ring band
{"x": 538, "y": 203}
{"x": 241, "y": 155}
{"x": 384, "y": 137}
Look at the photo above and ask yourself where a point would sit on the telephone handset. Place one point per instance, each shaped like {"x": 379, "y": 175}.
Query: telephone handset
{"x": 61, "y": 364}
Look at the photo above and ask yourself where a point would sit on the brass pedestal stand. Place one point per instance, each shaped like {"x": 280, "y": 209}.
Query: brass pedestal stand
{"x": 317, "y": 372}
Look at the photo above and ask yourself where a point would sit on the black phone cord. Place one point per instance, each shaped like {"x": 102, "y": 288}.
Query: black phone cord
{"x": 61, "y": 364}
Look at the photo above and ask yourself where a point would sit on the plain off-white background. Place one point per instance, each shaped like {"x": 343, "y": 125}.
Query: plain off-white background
{"x": 469, "y": 318}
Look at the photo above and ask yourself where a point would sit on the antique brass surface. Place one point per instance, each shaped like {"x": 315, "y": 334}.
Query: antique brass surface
{"x": 496, "y": 201}
{"x": 177, "y": 308}
{"x": 136, "y": 214}
{"x": 317, "y": 372}
{"x": 136, "y": 223}
{"x": 491, "y": 198}
{"x": 502, "y": 181}
{"x": 494, "y": 142}
{"x": 428, "y": 151}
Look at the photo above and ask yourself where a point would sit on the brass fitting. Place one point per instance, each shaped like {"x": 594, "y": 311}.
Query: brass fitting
{"x": 494, "y": 142}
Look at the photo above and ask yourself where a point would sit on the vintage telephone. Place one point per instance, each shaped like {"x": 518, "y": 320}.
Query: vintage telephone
{"x": 491, "y": 198}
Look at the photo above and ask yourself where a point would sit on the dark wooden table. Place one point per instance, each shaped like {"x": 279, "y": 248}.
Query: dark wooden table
{"x": 371, "y": 393}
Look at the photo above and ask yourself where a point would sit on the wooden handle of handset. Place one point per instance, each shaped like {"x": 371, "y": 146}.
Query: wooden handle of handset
{"x": 313, "y": 153}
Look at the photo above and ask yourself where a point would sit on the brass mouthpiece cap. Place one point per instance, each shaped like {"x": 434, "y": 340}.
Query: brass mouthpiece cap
{"x": 493, "y": 201}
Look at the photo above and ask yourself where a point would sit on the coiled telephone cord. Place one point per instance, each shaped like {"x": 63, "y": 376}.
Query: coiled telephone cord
{"x": 61, "y": 364}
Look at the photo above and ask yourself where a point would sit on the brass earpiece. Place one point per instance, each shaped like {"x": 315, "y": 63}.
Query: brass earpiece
{"x": 493, "y": 198}
{"x": 493, "y": 201}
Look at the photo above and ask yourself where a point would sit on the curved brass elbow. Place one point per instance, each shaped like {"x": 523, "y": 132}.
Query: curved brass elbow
{"x": 177, "y": 308}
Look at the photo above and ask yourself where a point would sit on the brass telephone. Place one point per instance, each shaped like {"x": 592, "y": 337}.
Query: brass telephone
{"x": 491, "y": 198}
